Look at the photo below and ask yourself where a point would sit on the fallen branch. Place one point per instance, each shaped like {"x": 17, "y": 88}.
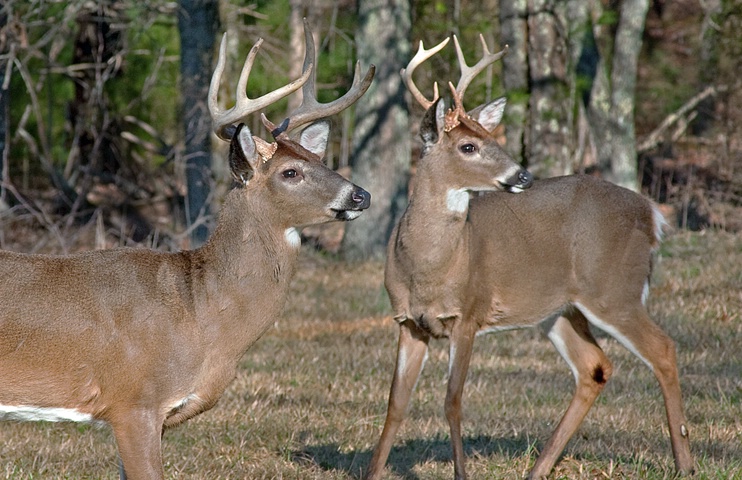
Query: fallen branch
{"x": 654, "y": 138}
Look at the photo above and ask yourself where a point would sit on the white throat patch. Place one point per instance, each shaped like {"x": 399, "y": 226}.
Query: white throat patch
{"x": 457, "y": 200}
{"x": 293, "y": 238}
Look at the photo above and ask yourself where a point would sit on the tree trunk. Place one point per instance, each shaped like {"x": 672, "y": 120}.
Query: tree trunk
{"x": 381, "y": 145}
{"x": 296, "y": 49}
{"x": 97, "y": 43}
{"x": 556, "y": 73}
{"x": 710, "y": 55}
{"x": 611, "y": 108}
{"x": 548, "y": 152}
{"x": 535, "y": 75}
{"x": 96, "y": 128}
{"x": 514, "y": 31}
{"x": 4, "y": 119}
{"x": 198, "y": 23}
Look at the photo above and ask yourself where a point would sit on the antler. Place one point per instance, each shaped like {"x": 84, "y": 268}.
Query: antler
{"x": 468, "y": 73}
{"x": 223, "y": 119}
{"x": 419, "y": 58}
{"x": 310, "y": 109}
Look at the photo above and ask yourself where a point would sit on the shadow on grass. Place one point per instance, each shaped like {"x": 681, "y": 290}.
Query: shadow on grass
{"x": 404, "y": 457}
{"x": 714, "y": 457}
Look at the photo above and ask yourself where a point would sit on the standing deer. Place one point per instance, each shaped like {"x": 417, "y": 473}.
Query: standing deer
{"x": 563, "y": 254}
{"x": 144, "y": 340}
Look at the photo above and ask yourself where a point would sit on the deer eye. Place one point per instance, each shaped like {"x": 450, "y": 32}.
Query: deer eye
{"x": 468, "y": 148}
{"x": 290, "y": 173}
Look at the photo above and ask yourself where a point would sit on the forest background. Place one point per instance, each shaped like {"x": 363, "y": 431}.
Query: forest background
{"x": 104, "y": 143}
{"x": 103, "y": 120}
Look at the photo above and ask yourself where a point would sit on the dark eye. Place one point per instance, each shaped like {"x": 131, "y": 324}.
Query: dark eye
{"x": 290, "y": 173}
{"x": 468, "y": 148}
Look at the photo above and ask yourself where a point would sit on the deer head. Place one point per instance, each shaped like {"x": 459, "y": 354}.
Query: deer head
{"x": 295, "y": 178}
{"x": 290, "y": 170}
{"x": 460, "y": 145}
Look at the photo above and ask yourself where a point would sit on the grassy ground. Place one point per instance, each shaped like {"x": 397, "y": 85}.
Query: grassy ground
{"x": 310, "y": 398}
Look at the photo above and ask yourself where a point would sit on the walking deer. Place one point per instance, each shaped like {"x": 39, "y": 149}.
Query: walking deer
{"x": 144, "y": 340}
{"x": 563, "y": 254}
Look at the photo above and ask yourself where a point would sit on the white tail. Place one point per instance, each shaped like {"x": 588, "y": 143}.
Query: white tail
{"x": 563, "y": 254}
{"x": 144, "y": 340}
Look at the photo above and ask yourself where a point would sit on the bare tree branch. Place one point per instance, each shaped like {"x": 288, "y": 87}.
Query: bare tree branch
{"x": 655, "y": 138}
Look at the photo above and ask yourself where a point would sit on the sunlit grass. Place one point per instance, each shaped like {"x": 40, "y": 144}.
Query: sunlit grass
{"x": 310, "y": 397}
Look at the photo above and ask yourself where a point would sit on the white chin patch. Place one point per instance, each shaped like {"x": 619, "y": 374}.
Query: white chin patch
{"x": 293, "y": 238}
{"x": 457, "y": 200}
{"x": 514, "y": 189}
{"x": 352, "y": 214}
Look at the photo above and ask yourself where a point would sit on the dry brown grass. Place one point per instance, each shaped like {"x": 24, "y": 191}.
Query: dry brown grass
{"x": 310, "y": 398}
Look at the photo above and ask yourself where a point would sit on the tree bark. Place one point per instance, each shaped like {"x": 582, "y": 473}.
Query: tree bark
{"x": 381, "y": 146}
{"x": 550, "y": 141}
{"x": 96, "y": 128}
{"x": 4, "y": 115}
{"x": 557, "y": 72}
{"x": 611, "y": 108}
{"x": 198, "y": 23}
{"x": 535, "y": 75}
{"x": 514, "y": 31}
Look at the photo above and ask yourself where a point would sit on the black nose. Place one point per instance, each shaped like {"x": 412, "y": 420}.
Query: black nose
{"x": 361, "y": 198}
{"x": 525, "y": 179}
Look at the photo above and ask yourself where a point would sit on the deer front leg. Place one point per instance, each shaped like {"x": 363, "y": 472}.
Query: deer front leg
{"x": 139, "y": 439}
{"x": 462, "y": 339}
{"x": 591, "y": 369}
{"x": 411, "y": 354}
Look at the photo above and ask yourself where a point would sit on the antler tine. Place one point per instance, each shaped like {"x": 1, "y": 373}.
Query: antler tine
{"x": 419, "y": 58}
{"x": 244, "y": 106}
{"x": 468, "y": 73}
{"x": 310, "y": 109}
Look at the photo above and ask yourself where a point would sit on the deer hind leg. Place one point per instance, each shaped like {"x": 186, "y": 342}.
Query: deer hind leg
{"x": 639, "y": 334}
{"x": 139, "y": 440}
{"x": 411, "y": 354}
{"x": 591, "y": 368}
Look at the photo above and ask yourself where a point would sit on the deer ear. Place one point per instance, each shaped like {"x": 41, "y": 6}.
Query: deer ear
{"x": 490, "y": 114}
{"x": 314, "y": 137}
{"x": 243, "y": 155}
{"x": 432, "y": 123}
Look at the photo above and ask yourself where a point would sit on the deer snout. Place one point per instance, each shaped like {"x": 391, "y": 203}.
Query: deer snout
{"x": 519, "y": 182}
{"x": 353, "y": 204}
{"x": 361, "y": 198}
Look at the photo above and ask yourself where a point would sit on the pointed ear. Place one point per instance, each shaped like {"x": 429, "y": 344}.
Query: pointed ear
{"x": 432, "y": 123}
{"x": 314, "y": 137}
{"x": 490, "y": 114}
{"x": 243, "y": 155}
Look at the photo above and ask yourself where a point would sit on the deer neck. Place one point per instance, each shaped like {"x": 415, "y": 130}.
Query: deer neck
{"x": 242, "y": 273}
{"x": 436, "y": 218}
{"x": 428, "y": 261}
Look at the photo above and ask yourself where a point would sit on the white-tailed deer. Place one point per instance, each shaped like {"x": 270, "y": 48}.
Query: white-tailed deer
{"x": 564, "y": 254}
{"x": 144, "y": 340}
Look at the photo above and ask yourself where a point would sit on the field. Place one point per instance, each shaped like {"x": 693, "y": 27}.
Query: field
{"x": 310, "y": 397}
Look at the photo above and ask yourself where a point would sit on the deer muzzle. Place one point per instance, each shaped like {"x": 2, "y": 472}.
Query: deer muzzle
{"x": 518, "y": 182}
{"x": 358, "y": 200}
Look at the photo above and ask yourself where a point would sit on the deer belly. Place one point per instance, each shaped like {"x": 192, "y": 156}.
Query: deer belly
{"x": 46, "y": 414}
